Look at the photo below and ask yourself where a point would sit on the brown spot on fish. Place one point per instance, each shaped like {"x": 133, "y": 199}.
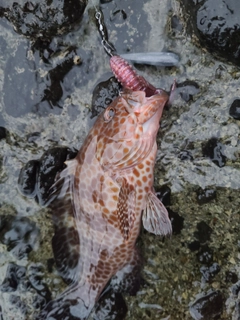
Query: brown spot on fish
{"x": 136, "y": 172}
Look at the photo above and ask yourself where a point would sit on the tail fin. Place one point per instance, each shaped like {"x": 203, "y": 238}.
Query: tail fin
{"x": 68, "y": 306}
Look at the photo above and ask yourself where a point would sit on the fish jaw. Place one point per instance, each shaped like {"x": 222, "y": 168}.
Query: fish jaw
{"x": 148, "y": 110}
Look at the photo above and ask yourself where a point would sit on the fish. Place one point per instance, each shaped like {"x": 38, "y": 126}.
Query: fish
{"x": 163, "y": 59}
{"x": 100, "y": 200}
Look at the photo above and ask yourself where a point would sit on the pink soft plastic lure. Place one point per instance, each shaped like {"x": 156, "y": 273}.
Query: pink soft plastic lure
{"x": 129, "y": 78}
{"x": 102, "y": 196}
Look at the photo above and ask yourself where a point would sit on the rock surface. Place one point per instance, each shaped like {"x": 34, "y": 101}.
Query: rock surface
{"x": 216, "y": 24}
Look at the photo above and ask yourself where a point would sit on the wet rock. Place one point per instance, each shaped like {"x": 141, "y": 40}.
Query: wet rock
{"x": 164, "y": 194}
{"x": 176, "y": 24}
{"x": 35, "y": 91}
{"x": 50, "y": 264}
{"x": 18, "y": 303}
{"x": 216, "y": 24}
{"x": 231, "y": 277}
{"x": 53, "y": 92}
{"x": 19, "y": 234}
{"x": 187, "y": 89}
{"x": 105, "y": 1}
{"x": 236, "y": 314}
{"x": 234, "y": 110}
{"x": 208, "y": 273}
{"x": 185, "y": 155}
{"x": 122, "y": 16}
{"x": 203, "y": 232}
{"x": 42, "y": 18}
{"x": 27, "y": 178}
{"x": 36, "y": 273}
{"x": 39, "y": 302}
{"x": 205, "y": 195}
{"x": 176, "y": 220}
{"x": 111, "y": 306}
{"x": 14, "y": 275}
{"x": 33, "y": 136}
{"x": 194, "y": 245}
{"x": 207, "y": 306}
{"x": 236, "y": 288}
{"x": 51, "y": 163}
{"x": 213, "y": 149}
{"x": 3, "y": 133}
{"x": 103, "y": 94}
{"x": 205, "y": 255}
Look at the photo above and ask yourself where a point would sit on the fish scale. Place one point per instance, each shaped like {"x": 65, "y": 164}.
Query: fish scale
{"x": 103, "y": 195}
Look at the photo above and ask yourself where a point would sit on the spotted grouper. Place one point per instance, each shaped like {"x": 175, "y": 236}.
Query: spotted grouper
{"x": 100, "y": 200}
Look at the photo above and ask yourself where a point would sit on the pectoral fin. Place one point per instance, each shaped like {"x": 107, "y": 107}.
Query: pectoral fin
{"x": 155, "y": 216}
{"x": 126, "y": 208}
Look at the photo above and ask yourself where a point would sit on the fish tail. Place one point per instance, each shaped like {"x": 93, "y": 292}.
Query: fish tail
{"x": 67, "y": 306}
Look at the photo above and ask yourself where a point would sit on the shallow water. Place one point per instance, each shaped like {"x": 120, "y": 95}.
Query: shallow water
{"x": 36, "y": 121}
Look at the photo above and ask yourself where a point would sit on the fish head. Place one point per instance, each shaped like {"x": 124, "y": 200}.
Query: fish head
{"x": 126, "y": 130}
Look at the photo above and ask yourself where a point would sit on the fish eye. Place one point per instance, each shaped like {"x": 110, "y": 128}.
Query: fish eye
{"x": 109, "y": 114}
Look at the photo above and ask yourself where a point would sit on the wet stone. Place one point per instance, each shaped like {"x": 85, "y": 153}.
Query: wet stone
{"x": 27, "y": 178}
{"x": 205, "y": 255}
{"x": 120, "y": 17}
{"x": 103, "y": 94}
{"x": 205, "y": 195}
{"x": 234, "y": 110}
{"x": 176, "y": 220}
{"x": 18, "y": 303}
{"x": 13, "y": 276}
{"x": 236, "y": 288}
{"x": 176, "y": 23}
{"x": 36, "y": 273}
{"x": 39, "y": 302}
{"x": 203, "y": 232}
{"x": 207, "y": 306}
{"x": 187, "y": 90}
{"x": 213, "y": 149}
{"x": 42, "y": 18}
{"x": 19, "y": 234}
{"x": 231, "y": 277}
{"x": 51, "y": 163}
{"x": 110, "y": 306}
{"x": 236, "y": 314}
{"x": 208, "y": 273}
{"x": 216, "y": 24}
{"x": 164, "y": 194}
{"x": 48, "y": 89}
{"x": 185, "y": 155}
{"x": 194, "y": 245}
{"x": 50, "y": 264}
{"x": 32, "y": 137}
{"x": 3, "y": 133}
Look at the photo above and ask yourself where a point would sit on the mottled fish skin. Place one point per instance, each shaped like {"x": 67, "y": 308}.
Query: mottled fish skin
{"x": 102, "y": 196}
